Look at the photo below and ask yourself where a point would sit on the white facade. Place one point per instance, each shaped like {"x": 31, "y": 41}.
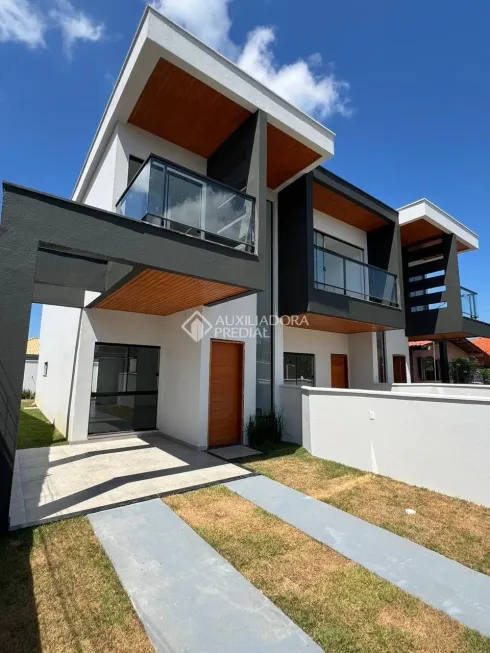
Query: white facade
{"x": 30, "y": 375}
{"x": 437, "y": 442}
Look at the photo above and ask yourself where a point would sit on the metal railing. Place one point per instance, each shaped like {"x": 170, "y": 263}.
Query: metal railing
{"x": 172, "y": 197}
{"x": 468, "y": 302}
{"x": 346, "y": 276}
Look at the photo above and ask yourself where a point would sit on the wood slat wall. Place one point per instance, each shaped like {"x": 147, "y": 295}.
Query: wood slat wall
{"x": 162, "y": 293}
{"x": 184, "y": 110}
{"x": 285, "y": 157}
{"x": 419, "y": 230}
{"x": 180, "y": 108}
{"x": 337, "y": 206}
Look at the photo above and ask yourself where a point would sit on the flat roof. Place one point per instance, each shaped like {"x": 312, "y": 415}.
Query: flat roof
{"x": 159, "y": 38}
{"x": 424, "y": 209}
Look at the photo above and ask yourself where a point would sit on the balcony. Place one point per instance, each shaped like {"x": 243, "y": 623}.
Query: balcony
{"x": 175, "y": 198}
{"x": 468, "y": 303}
{"x": 339, "y": 274}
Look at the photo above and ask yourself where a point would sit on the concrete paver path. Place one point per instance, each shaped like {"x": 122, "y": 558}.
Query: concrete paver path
{"x": 446, "y": 585}
{"x": 187, "y": 596}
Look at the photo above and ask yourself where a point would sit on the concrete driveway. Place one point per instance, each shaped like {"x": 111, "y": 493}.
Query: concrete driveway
{"x": 68, "y": 479}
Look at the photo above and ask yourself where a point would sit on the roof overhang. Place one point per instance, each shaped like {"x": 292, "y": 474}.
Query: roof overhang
{"x": 160, "y": 39}
{"x": 422, "y": 220}
{"x": 344, "y": 201}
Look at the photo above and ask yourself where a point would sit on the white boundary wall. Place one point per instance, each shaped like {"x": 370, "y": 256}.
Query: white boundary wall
{"x": 476, "y": 390}
{"x": 291, "y": 412}
{"x": 440, "y": 443}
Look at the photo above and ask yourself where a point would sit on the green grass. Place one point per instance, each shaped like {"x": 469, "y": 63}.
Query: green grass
{"x": 457, "y": 529}
{"x": 35, "y": 430}
{"x": 60, "y": 593}
{"x": 341, "y": 605}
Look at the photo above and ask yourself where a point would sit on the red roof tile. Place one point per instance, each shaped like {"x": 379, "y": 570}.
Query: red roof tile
{"x": 419, "y": 343}
{"x": 483, "y": 344}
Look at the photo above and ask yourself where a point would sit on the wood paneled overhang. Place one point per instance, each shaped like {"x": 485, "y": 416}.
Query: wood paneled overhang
{"x": 420, "y": 230}
{"x": 155, "y": 292}
{"x": 184, "y": 110}
{"x": 335, "y": 324}
{"x": 339, "y": 207}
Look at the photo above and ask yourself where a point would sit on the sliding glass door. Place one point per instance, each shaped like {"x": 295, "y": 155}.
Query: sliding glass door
{"x": 124, "y": 388}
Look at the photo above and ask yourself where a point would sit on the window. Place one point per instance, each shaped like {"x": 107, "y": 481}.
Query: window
{"x": 45, "y": 371}
{"x": 299, "y": 369}
{"x": 134, "y": 164}
{"x": 381, "y": 349}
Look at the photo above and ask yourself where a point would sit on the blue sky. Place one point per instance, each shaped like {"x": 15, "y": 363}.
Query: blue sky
{"x": 418, "y": 97}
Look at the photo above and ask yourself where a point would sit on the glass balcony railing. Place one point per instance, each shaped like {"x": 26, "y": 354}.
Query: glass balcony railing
{"x": 346, "y": 276}
{"x": 468, "y": 302}
{"x": 175, "y": 198}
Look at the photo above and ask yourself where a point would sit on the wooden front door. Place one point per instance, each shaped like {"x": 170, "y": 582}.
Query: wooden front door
{"x": 399, "y": 369}
{"x": 339, "y": 371}
{"x": 225, "y": 393}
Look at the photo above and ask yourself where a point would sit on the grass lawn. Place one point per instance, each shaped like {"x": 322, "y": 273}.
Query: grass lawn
{"x": 457, "y": 529}
{"x": 35, "y": 430}
{"x": 60, "y": 594}
{"x": 344, "y": 607}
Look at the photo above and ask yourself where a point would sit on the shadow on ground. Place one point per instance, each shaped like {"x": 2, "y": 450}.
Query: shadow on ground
{"x": 19, "y": 627}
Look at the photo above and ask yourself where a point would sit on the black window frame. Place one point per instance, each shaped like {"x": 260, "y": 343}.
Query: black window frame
{"x": 45, "y": 368}
{"x": 134, "y": 161}
{"x": 297, "y": 381}
{"x": 381, "y": 357}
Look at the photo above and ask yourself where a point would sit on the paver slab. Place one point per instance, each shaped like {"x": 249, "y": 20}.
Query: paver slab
{"x": 446, "y": 585}
{"x": 187, "y": 596}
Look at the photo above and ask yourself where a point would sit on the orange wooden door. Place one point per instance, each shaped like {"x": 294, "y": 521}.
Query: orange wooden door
{"x": 399, "y": 369}
{"x": 225, "y": 393}
{"x": 339, "y": 371}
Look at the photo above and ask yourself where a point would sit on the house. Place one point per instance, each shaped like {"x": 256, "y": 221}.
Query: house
{"x": 206, "y": 264}
{"x": 425, "y": 357}
{"x": 438, "y": 308}
{"x": 31, "y": 365}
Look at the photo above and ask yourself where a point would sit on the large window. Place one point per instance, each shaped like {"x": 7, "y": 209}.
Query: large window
{"x": 381, "y": 349}
{"x": 299, "y": 369}
{"x": 124, "y": 388}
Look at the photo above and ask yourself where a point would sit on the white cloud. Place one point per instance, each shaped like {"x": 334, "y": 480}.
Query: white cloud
{"x": 22, "y": 23}
{"x": 207, "y": 19}
{"x": 303, "y": 83}
{"x": 75, "y": 25}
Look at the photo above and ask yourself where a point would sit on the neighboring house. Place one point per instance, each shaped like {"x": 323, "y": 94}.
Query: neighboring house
{"x": 202, "y": 204}
{"x": 31, "y": 365}
{"x": 437, "y": 306}
{"x": 425, "y": 356}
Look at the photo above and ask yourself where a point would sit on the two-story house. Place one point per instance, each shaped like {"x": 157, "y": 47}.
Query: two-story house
{"x": 201, "y": 212}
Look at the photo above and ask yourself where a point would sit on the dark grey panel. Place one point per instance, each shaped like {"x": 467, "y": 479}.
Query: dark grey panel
{"x": 62, "y": 269}
{"x": 434, "y": 321}
{"x": 116, "y": 272}
{"x": 295, "y": 243}
{"x": 297, "y": 292}
{"x": 475, "y": 328}
{"x": 79, "y": 229}
{"x": 332, "y": 304}
{"x": 231, "y": 162}
{"x": 17, "y": 270}
{"x": 58, "y": 295}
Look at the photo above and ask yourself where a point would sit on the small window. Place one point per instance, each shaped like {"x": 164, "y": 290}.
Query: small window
{"x": 134, "y": 165}
{"x": 299, "y": 369}
{"x": 381, "y": 348}
{"x": 45, "y": 370}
